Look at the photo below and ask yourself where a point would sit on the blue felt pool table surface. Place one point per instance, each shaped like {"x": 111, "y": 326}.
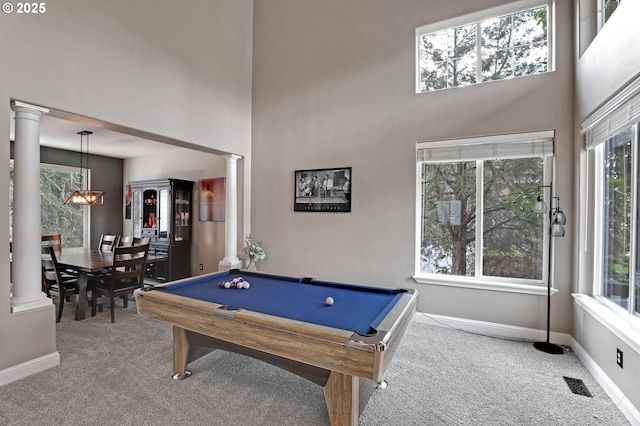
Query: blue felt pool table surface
{"x": 356, "y": 308}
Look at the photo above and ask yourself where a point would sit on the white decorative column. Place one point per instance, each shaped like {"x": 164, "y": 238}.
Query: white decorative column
{"x": 26, "y": 242}
{"x": 231, "y": 259}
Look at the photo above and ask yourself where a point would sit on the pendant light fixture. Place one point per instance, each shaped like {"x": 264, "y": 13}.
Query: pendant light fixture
{"x": 85, "y": 197}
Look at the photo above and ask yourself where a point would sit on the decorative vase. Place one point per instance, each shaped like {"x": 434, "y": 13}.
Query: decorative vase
{"x": 251, "y": 266}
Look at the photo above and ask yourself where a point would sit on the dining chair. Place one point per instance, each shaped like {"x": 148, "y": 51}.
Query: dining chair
{"x": 108, "y": 242}
{"x": 125, "y": 276}
{"x": 125, "y": 241}
{"x": 53, "y": 282}
{"x": 55, "y": 241}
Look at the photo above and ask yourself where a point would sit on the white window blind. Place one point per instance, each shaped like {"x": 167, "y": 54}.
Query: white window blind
{"x": 517, "y": 145}
{"x": 621, "y": 112}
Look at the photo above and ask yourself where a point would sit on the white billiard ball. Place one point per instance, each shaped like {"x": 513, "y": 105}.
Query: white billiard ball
{"x": 246, "y": 285}
{"x": 227, "y": 284}
{"x": 329, "y": 301}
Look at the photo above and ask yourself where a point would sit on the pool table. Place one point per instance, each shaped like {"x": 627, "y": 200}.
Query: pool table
{"x": 344, "y": 347}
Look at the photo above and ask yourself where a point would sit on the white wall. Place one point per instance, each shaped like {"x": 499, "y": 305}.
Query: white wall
{"x": 334, "y": 86}
{"x": 180, "y": 70}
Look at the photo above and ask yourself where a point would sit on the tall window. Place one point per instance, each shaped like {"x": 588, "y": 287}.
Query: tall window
{"x": 56, "y": 182}
{"x": 617, "y": 219}
{"x": 476, "y": 217}
{"x": 494, "y": 47}
{"x": 613, "y": 200}
{"x": 617, "y": 193}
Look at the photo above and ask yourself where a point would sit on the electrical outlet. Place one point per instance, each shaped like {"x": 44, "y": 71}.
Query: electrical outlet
{"x": 619, "y": 357}
{"x": 201, "y": 267}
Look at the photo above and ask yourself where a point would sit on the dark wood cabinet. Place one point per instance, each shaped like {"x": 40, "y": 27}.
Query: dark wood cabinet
{"x": 162, "y": 212}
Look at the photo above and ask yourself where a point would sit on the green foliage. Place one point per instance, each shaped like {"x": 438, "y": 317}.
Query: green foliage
{"x": 610, "y": 6}
{"x": 510, "y": 46}
{"x": 56, "y": 217}
{"x": 512, "y": 232}
{"x": 617, "y": 208}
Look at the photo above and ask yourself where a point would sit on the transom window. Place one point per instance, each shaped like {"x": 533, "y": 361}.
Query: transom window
{"x": 476, "y": 217}
{"x": 495, "y": 45}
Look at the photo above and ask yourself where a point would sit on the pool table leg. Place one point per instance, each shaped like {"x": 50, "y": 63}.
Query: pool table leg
{"x": 342, "y": 396}
{"x": 181, "y": 346}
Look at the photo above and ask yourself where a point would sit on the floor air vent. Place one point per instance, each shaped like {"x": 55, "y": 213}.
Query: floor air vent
{"x": 577, "y": 386}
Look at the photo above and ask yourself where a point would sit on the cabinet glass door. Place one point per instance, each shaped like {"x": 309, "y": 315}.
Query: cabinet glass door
{"x": 137, "y": 213}
{"x": 163, "y": 214}
{"x": 149, "y": 214}
{"x": 182, "y": 220}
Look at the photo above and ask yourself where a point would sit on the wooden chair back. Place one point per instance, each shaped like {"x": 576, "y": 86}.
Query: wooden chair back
{"x": 128, "y": 266}
{"x": 49, "y": 278}
{"x": 52, "y": 280}
{"x": 54, "y": 241}
{"x": 140, "y": 241}
{"x": 126, "y": 275}
{"x": 125, "y": 241}
{"x": 108, "y": 242}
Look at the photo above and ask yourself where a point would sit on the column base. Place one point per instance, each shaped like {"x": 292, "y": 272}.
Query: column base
{"x": 18, "y": 305}
{"x": 226, "y": 264}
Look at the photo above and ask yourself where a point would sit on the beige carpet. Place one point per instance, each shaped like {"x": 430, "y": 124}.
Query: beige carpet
{"x": 119, "y": 374}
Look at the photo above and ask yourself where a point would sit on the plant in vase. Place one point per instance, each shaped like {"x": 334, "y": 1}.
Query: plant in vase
{"x": 252, "y": 252}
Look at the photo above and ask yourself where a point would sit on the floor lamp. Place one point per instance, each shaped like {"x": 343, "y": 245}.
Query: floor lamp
{"x": 557, "y": 220}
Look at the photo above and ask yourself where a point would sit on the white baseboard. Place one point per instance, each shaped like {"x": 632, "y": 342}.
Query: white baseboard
{"x": 616, "y": 395}
{"x": 494, "y": 329}
{"x": 530, "y": 334}
{"x": 28, "y": 368}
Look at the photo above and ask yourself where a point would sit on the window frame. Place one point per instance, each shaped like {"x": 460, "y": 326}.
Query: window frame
{"x": 618, "y": 114}
{"x": 514, "y": 285}
{"x": 86, "y": 225}
{"x": 477, "y": 18}
{"x": 599, "y": 280}
{"x": 602, "y": 9}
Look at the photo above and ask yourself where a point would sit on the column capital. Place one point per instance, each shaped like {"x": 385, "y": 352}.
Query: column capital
{"x": 23, "y": 106}
{"x": 232, "y": 158}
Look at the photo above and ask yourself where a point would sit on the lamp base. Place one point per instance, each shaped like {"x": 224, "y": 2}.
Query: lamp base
{"x": 549, "y": 348}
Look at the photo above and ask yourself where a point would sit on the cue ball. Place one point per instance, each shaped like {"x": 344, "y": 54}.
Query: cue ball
{"x": 246, "y": 285}
{"x": 329, "y": 301}
{"x": 227, "y": 284}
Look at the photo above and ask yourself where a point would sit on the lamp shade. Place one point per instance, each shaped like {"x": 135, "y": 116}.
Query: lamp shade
{"x": 85, "y": 198}
{"x": 557, "y": 229}
{"x": 540, "y": 206}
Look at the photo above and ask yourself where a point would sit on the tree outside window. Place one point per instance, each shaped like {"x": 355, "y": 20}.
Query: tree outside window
{"x": 56, "y": 183}
{"x": 498, "y": 48}
{"x": 478, "y": 218}
{"x": 617, "y": 218}
{"x": 608, "y": 7}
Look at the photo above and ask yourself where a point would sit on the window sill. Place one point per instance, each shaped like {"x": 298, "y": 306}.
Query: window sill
{"x": 537, "y": 290}
{"x": 623, "y": 325}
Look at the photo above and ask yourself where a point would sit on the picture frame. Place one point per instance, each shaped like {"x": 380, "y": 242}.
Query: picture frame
{"x": 212, "y": 203}
{"x": 322, "y": 190}
{"x": 127, "y": 202}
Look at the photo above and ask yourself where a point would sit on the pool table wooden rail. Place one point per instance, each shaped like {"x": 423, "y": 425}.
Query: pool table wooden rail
{"x": 347, "y": 364}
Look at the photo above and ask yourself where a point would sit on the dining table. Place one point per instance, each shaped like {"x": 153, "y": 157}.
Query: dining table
{"x": 85, "y": 261}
